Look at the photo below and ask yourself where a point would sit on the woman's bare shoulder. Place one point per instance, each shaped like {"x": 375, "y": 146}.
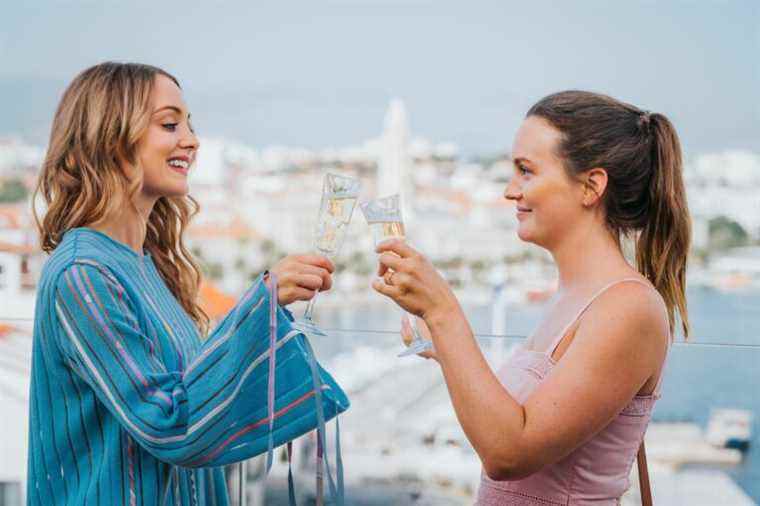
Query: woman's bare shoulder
{"x": 632, "y": 311}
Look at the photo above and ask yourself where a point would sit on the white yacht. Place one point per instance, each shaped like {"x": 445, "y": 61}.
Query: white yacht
{"x": 730, "y": 428}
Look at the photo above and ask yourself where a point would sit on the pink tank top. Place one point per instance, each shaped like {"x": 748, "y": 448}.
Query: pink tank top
{"x": 594, "y": 474}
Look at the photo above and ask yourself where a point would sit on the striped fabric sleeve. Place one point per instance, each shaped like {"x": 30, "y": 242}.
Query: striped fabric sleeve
{"x": 189, "y": 417}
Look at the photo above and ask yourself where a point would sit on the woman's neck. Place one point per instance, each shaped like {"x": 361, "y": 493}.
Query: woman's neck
{"x": 128, "y": 227}
{"x": 587, "y": 258}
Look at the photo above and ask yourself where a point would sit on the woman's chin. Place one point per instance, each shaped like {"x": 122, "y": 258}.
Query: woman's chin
{"x": 178, "y": 191}
{"x": 524, "y": 234}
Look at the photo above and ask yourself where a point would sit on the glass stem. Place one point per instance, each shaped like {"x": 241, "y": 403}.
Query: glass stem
{"x": 310, "y": 307}
{"x": 416, "y": 337}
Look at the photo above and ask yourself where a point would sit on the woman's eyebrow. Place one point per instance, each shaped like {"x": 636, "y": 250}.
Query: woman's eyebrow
{"x": 170, "y": 107}
{"x": 518, "y": 160}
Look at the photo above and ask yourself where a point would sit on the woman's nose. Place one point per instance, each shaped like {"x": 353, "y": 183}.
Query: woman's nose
{"x": 512, "y": 191}
{"x": 189, "y": 140}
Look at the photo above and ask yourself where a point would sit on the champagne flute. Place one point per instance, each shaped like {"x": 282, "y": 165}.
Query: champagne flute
{"x": 383, "y": 216}
{"x": 339, "y": 194}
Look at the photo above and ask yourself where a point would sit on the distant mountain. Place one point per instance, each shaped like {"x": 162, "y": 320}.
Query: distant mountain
{"x": 294, "y": 117}
{"x": 311, "y": 115}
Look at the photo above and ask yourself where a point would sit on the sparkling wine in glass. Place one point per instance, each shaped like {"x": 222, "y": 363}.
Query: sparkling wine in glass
{"x": 339, "y": 194}
{"x": 383, "y": 216}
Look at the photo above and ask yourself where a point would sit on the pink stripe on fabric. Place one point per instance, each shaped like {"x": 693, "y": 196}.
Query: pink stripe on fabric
{"x": 130, "y": 451}
{"x": 250, "y": 427}
{"x": 117, "y": 342}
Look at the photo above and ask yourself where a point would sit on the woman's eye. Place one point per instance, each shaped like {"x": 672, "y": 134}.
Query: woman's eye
{"x": 170, "y": 126}
{"x": 523, "y": 170}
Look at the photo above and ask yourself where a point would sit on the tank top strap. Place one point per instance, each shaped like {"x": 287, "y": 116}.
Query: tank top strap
{"x": 561, "y": 335}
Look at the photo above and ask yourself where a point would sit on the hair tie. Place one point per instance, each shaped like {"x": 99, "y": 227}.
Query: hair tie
{"x": 645, "y": 120}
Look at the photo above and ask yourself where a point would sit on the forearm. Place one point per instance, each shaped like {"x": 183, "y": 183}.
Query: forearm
{"x": 227, "y": 385}
{"x": 191, "y": 417}
{"x": 491, "y": 418}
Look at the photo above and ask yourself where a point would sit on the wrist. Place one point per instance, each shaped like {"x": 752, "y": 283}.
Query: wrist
{"x": 443, "y": 315}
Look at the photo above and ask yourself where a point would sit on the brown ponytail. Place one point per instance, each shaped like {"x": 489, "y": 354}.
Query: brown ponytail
{"x": 663, "y": 244}
{"x": 645, "y": 193}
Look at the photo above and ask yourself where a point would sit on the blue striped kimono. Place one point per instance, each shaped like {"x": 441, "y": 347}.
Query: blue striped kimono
{"x": 128, "y": 405}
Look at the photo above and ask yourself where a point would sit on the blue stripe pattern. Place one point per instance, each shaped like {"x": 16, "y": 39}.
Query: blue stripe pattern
{"x": 128, "y": 404}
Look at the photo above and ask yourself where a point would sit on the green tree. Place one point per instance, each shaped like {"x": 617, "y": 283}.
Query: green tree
{"x": 725, "y": 233}
{"x": 214, "y": 270}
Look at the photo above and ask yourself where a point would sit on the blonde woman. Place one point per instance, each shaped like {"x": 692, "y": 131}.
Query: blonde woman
{"x": 132, "y": 402}
{"x": 561, "y": 422}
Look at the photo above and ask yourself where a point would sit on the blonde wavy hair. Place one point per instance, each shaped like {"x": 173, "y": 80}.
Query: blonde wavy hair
{"x": 102, "y": 116}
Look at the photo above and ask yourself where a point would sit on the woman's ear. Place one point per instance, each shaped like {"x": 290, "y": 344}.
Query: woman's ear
{"x": 594, "y": 184}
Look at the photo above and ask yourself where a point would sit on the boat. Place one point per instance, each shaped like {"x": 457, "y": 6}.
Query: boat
{"x": 730, "y": 428}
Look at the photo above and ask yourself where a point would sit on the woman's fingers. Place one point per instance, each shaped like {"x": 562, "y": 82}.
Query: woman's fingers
{"x": 402, "y": 280}
{"x": 308, "y": 281}
{"x": 407, "y": 334}
{"x": 291, "y": 293}
{"x": 406, "y": 300}
{"x": 406, "y": 330}
{"x": 387, "y": 290}
{"x": 389, "y": 261}
{"x": 298, "y": 293}
{"x": 300, "y": 276}
{"x": 315, "y": 260}
{"x": 397, "y": 246}
{"x": 295, "y": 280}
{"x": 323, "y": 273}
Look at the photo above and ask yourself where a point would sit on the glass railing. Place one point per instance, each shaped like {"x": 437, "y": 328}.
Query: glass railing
{"x": 401, "y": 443}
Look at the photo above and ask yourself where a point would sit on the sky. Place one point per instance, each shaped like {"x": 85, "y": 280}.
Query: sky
{"x": 320, "y": 74}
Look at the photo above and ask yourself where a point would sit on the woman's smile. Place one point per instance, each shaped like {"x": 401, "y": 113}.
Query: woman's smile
{"x": 180, "y": 164}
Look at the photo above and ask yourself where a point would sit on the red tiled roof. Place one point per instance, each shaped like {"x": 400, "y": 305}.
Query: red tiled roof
{"x": 20, "y": 249}
{"x": 10, "y": 216}
{"x": 214, "y": 302}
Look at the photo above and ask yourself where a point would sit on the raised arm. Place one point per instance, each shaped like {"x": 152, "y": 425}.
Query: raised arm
{"x": 202, "y": 416}
{"x": 614, "y": 352}
{"x": 612, "y": 355}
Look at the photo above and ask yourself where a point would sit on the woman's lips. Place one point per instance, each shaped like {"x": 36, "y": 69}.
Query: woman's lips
{"x": 181, "y": 170}
{"x": 522, "y": 212}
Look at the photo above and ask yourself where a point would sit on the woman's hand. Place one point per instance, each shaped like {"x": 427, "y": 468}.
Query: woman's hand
{"x": 300, "y": 276}
{"x": 409, "y": 278}
{"x": 407, "y": 334}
